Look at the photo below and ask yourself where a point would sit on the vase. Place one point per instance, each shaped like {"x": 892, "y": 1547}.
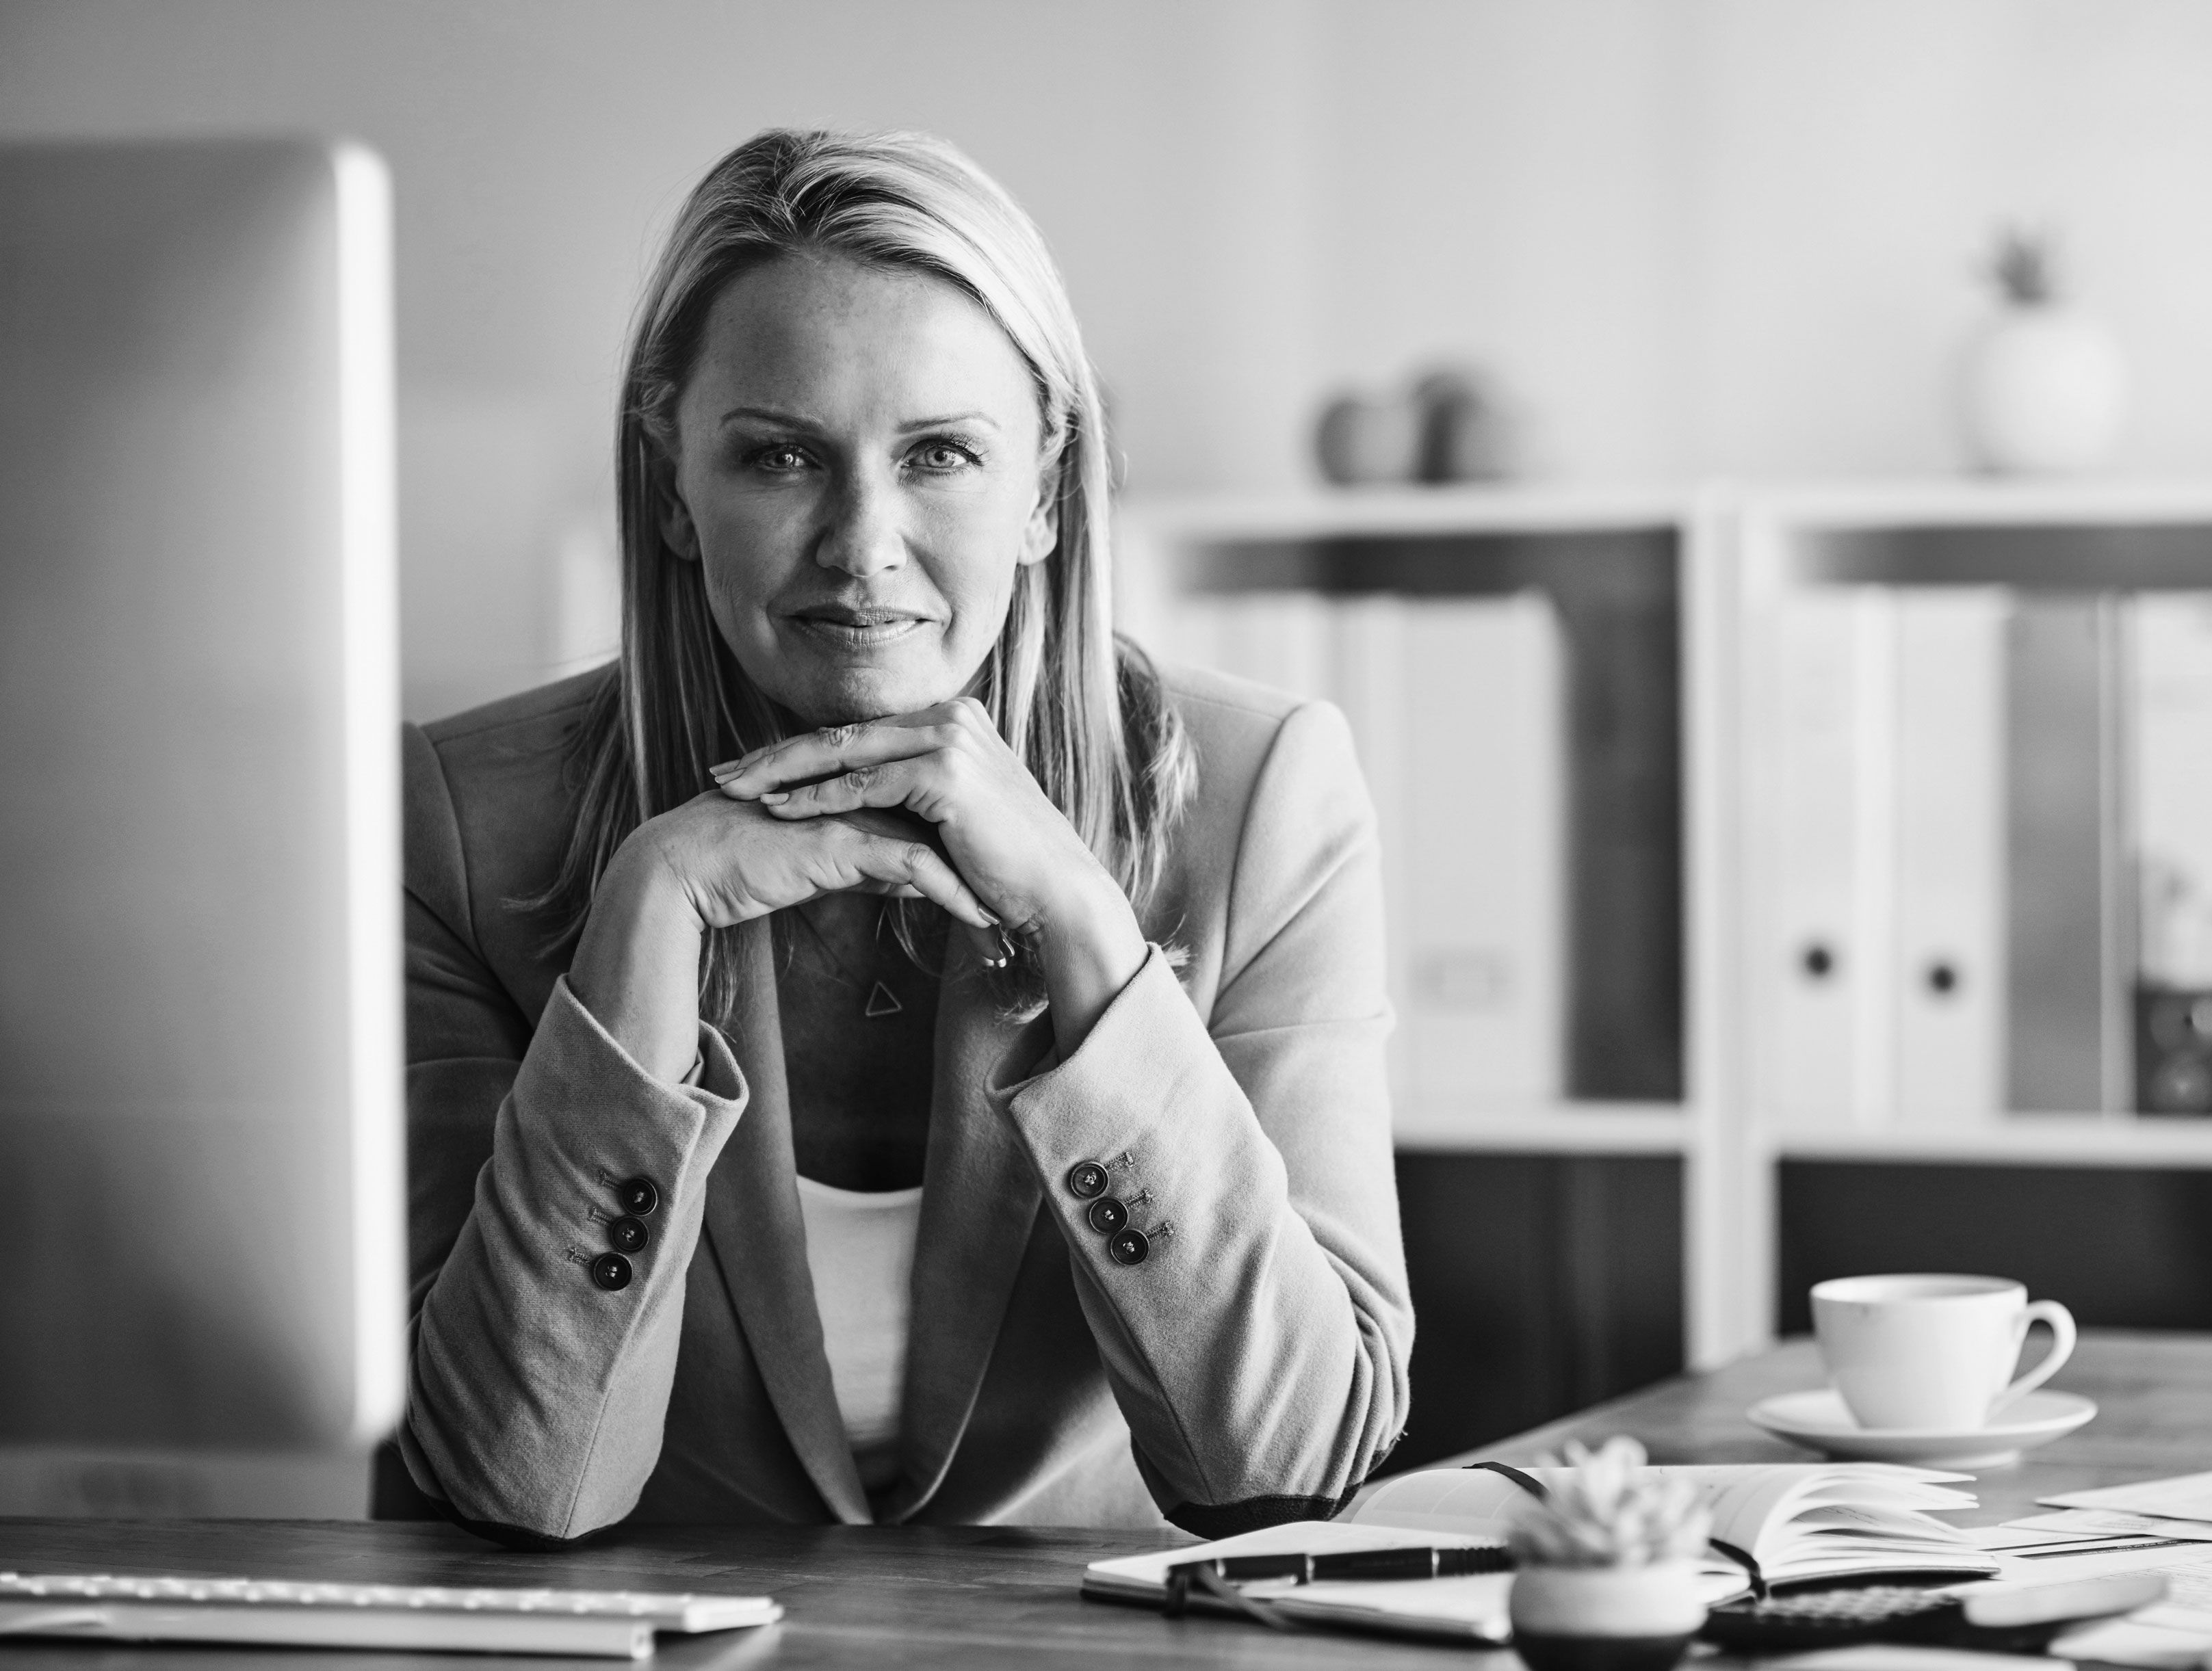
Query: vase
{"x": 2043, "y": 391}
{"x": 1367, "y": 440}
{"x": 1605, "y": 1618}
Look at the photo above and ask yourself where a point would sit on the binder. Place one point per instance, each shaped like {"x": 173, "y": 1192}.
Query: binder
{"x": 1370, "y": 687}
{"x": 1883, "y": 748}
{"x": 1282, "y": 639}
{"x": 1480, "y": 806}
{"x": 1457, "y": 709}
{"x": 1948, "y": 979}
{"x": 2169, "y": 707}
{"x": 2064, "y": 1040}
{"x": 1804, "y": 995}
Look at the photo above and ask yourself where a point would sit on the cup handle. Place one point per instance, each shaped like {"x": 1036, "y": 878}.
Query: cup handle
{"x": 2062, "y": 1348}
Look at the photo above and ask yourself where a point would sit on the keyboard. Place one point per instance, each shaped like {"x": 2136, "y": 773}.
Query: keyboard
{"x": 610, "y": 1624}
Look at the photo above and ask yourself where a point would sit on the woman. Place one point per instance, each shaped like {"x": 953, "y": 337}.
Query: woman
{"x": 807, "y": 1120}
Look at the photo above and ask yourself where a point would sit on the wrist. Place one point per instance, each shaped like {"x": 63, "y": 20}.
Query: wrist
{"x": 643, "y": 880}
{"x": 1091, "y": 911}
{"x": 1093, "y": 947}
{"x": 636, "y": 967}
{"x": 1091, "y": 943}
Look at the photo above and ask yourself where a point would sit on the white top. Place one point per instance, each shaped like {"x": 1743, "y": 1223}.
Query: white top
{"x": 860, "y": 1246}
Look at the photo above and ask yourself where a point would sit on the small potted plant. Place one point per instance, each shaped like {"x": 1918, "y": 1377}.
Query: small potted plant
{"x": 1606, "y": 1566}
{"x": 2044, "y": 389}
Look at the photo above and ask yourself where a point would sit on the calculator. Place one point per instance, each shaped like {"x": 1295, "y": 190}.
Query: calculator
{"x": 1998, "y": 1618}
{"x": 1807, "y": 1618}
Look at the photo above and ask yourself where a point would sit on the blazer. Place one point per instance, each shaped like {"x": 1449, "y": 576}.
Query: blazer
{"x": 1250, "y": 1368}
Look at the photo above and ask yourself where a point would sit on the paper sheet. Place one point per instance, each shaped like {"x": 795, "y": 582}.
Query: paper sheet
{"x": 2019, "y": 1537}
{"x": 2084, "y": 1522}
{"x": 2174, "y": 1634}
{"x": 2187, "y": 1497}
{"x": 2186, "y": 1565}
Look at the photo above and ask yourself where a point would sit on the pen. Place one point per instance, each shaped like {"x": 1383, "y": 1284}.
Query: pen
{"x": 1304, "y": 1568}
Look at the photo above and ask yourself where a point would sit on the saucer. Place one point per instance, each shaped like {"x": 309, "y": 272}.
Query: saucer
{"x": 1818, "y": 1421}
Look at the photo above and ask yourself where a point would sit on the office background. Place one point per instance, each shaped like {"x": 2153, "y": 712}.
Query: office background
{"x": 1689, "y": 236}
{"x": 1687, "y": 239}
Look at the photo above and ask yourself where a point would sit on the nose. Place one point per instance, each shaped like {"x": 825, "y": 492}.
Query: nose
{"x": 862, "y": 535}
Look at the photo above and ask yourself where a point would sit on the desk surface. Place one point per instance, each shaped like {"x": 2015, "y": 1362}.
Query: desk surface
{"x": 2153, "y": 1395}
{"x": 988, "y": 1597}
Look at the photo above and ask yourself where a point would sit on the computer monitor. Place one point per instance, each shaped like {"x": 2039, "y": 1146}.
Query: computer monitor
{"x": 200, "y": 1031}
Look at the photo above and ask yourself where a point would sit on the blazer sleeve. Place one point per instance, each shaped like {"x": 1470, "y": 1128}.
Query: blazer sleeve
{"x": 1258, "y": 1348}
{"x": 537, "y": 1386}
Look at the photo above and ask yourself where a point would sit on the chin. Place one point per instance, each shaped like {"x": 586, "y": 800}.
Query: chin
{"x": 854, "y": 696}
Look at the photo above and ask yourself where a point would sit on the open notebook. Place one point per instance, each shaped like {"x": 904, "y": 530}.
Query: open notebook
{"x": 1798, "y": 1523}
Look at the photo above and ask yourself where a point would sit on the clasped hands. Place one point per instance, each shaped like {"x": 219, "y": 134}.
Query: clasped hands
{"x": 931, "y": 804}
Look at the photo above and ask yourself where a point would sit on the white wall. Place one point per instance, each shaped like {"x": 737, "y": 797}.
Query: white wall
{"x": 539, "y": 146}
{"x": 1848, "y": 161}
{"x": 1691, "y": 235}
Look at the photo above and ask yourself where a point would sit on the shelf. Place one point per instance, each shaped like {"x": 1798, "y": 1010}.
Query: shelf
{"x": 1715, "y": 574}
{"x": 1398, "y": 510}
{"x": 1956, "y": 501}
{"x": 2025, "y": 1140}
{"x": 1563, "y": 1129}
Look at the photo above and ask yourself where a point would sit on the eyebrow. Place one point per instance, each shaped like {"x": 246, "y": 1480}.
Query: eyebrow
{"x": 776, "y": 415}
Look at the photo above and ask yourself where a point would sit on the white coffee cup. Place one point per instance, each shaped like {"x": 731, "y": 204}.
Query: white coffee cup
{"x": 1933, "y": 1353}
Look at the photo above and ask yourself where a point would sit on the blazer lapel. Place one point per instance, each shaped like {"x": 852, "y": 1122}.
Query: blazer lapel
{"x": 979, "y": 1204}
{"x": 759, "y": 1239}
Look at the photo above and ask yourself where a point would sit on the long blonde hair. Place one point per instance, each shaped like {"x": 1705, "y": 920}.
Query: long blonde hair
{"x": 1084, "y": 711}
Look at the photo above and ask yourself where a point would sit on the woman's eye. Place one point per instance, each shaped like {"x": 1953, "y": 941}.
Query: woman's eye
{"x": 779, "y": 460}
{"x": 943, "y": 456}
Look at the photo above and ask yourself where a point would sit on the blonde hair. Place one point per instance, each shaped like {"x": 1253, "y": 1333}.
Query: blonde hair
{"x": 1083, "y": 709}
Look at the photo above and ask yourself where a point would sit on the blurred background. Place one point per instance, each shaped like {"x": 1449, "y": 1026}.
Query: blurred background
{"x": 1686, "y": 237}
{"x": 1828, "y": 885}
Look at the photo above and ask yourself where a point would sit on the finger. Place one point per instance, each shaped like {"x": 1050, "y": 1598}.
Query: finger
{"x": 898, "y": 825}
{"x": 864, "y": 787}
{"x": 992, "y": 947}
{"x": 826, "y": 753}
{"x": 892, "y": 891}
{"x": 722, "y": 769}
{"x": 917, "y": 865}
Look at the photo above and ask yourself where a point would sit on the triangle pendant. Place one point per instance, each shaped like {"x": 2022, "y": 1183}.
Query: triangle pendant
{"x": 881, "y": 1001}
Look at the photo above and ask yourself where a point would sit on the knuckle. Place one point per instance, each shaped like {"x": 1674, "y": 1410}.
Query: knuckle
{"x": 837, "y": 738}
{"x": 915, "y": 854}
{"x": 859, "y": 778}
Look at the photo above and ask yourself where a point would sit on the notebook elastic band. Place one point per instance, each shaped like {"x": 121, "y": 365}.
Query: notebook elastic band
{"x": 1533, "y": 1486}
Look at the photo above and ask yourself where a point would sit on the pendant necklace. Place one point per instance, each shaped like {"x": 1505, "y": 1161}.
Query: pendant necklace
{"x": 882, "y": 1001}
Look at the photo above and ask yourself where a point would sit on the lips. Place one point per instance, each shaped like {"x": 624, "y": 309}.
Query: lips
{"x": 854, "y": 627}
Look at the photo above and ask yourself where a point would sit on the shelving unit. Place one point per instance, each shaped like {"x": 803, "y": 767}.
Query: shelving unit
{"x": 1978, "y": 1004}
{"x": 1760, "y": 584}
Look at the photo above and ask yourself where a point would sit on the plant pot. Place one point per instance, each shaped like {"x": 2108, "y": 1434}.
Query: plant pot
{"x": 2043, "y": 391}
{"x": 1605, "y": 1618}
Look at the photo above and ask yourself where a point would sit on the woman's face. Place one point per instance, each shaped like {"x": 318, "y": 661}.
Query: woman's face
{"x": 860, "y": 471}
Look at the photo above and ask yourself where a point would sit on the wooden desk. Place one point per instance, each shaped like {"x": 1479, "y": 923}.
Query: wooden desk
{"x": 2153, "y": 1395}
{"x": 992, "y": 1596}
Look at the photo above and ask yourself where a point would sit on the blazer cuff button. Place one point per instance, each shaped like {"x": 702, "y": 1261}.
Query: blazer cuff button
{"x": 1108, "y": 1215}
{"x": 627, "y": 1236}
{"x": 1086, "y": 1178}
{"x": 611, "y": 1272}
{"x": 638, "y": 1197}
{"x": 1130, "y": 1247}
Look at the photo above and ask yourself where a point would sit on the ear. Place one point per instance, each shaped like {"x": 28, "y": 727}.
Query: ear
{"x": 677, "y": 530}
{"x": 1043, "y": 532}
